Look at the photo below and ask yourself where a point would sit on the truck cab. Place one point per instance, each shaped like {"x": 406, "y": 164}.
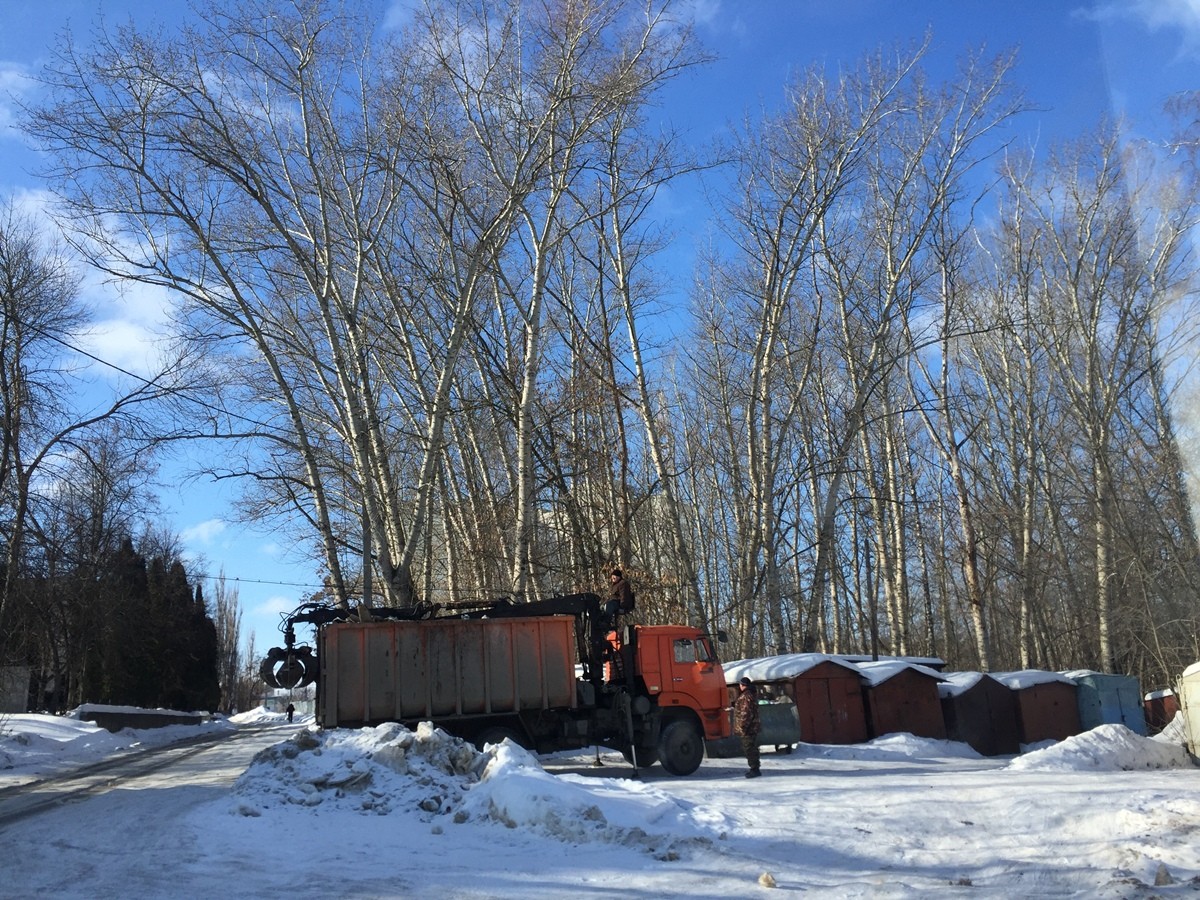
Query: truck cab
{"x": 678, "y": 665}
{"x": 677, "y": 691}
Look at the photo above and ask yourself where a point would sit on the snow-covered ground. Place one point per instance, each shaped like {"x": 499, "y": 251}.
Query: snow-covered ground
{"x": 40, "y": 746}
{"x": 385, "y": 812}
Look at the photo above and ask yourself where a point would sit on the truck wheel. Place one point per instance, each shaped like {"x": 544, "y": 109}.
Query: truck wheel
{"x": 496, "y": 734}
{"x": 646, "y": 756}
{"x": 680, "y": 748}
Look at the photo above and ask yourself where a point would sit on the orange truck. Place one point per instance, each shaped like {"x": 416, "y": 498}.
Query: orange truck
{"x": 550, "y": 675}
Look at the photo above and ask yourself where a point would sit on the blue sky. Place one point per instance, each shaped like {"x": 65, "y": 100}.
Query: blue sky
{"x": 1078, "y": 60}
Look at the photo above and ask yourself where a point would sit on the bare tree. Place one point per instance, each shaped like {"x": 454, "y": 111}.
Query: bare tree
{"x": 1112, "y": 254}
{"x": 330, "y": 211}
{"x": 227, "y": 616}
{"x": 842, "y": 196}
{"x": 791, "y": 171}
{"x": 41, "y": 313}
{"x": 41, "y": 324}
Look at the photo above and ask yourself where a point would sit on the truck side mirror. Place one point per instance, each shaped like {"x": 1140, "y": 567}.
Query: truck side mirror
{"x": 722, "y": 636}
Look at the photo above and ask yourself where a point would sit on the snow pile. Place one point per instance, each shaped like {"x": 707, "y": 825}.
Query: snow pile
{"x": 516, "y": 791}
{"x": 445, "y": 782}
{"x": 36, "y": 740}
{"x": 1176, "y": 730}
{"x": 893, "y": 746}
{"x": 260, "y": 715}
{"x": 1108, "y": 748}
{"x": 371, "y": 770}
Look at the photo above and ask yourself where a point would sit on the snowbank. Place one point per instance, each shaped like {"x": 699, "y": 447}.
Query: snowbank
{"x": 260, "y": 715}
{"x": 444, "y": 781}
{"x": 1107, "y": 747}
{"x": 892, "y": 747}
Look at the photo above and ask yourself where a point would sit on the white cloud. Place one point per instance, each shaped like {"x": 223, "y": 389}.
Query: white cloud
{"x": 129, "y": 320}
{"x": 35, "y": 203}
{"x": 147, "y": 304}
{"x": 274, "y": 606}
{"x": 15, "y": 84}
{"x": 131, "y": 323}
{"x": 702, "y": 12}
{"x": 124, "y": 344}
{"x": 398, "y": 15}
{"x": 1175, "y": 15}
{"x": 204, "y": 532}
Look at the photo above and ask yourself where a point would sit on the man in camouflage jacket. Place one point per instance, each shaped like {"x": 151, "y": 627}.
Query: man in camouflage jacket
{"x": 746, "y": 724}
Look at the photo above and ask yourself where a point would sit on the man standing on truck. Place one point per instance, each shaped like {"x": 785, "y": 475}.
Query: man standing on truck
{"x": 746, "y": 724}
{"x": 620, "y": 596}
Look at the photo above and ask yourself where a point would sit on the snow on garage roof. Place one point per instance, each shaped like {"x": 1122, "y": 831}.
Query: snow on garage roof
{"x": 877, "y": 672}
{"x": 956, "y": 683}
{"x": 1028, "y": 678}
{"x": 779, "y": 668}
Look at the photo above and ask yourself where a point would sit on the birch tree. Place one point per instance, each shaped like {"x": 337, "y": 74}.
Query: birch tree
{"x": 329, "y": 210}
{"x": 1113, "y": 255}
{"x": 790, "y": 173}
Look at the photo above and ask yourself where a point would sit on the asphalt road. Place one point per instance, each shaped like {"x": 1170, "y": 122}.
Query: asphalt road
{"x": 211, "y": 759}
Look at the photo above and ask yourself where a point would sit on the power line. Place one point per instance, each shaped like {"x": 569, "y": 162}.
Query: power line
{"x": 166, "y": 389}
{"x": 236, "y": 580}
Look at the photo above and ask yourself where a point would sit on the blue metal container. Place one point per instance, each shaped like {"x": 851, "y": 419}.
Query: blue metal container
{"x": 1109, "y": 700}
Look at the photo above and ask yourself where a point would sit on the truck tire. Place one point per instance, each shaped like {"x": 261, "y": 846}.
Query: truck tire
{"x": 646, "y": 756}
{"x": 680, "y": 747}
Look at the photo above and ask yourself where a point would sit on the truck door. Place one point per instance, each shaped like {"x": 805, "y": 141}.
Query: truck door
{"x": 650, "y": 664}
{"x": 689, "y": 664}
{"x": 668, "y": 664}
{"x": 696, "y": 678}
{"x": 674, "y": 663}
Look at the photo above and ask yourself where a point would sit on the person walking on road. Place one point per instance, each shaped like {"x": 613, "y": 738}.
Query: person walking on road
{"x": 747, "y": 725}
{"x": 291, "y": 711}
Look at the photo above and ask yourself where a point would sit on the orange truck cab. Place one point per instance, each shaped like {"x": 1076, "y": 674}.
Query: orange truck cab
{"x": 678, "y": 666}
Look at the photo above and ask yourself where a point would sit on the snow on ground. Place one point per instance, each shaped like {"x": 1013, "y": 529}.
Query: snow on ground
{"x": 38, "y": 746}
{"x": 388, "y": 812}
